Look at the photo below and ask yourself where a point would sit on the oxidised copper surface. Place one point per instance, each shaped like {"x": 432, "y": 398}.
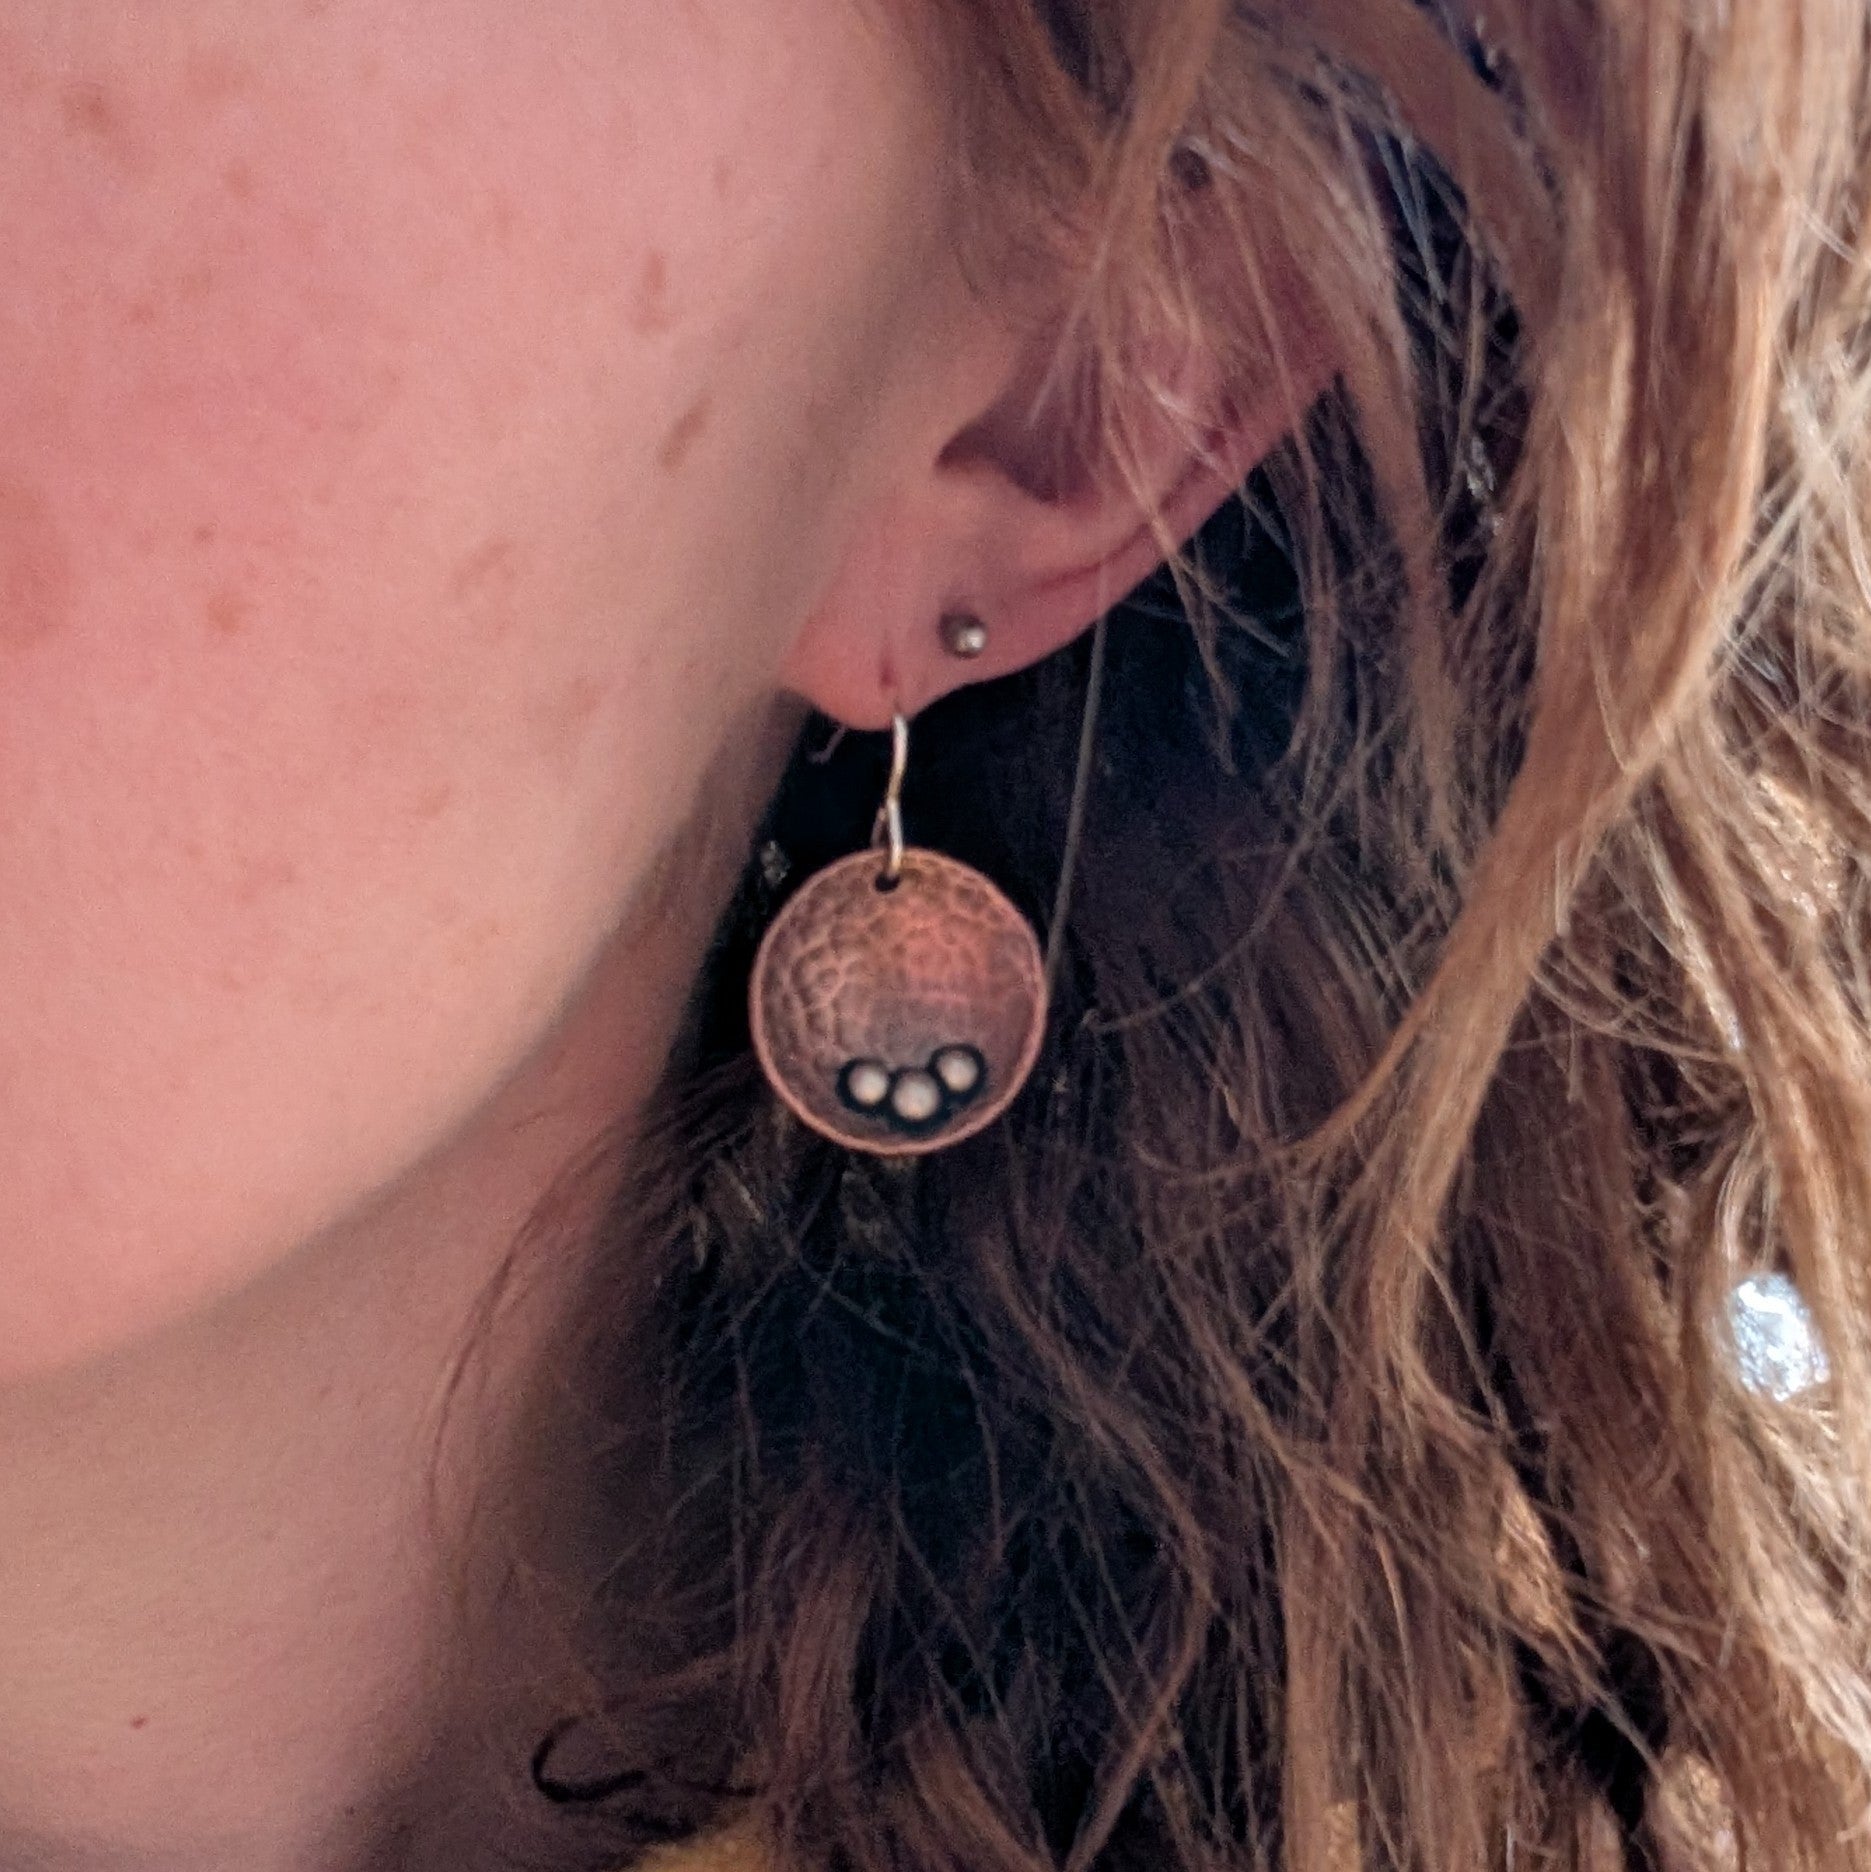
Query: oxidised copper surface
{"x": 852, "y": 976}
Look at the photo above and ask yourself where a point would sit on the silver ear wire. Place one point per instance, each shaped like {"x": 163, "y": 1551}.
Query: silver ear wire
{"x": 888, "y": 829}
{"x": 963, "y": 634}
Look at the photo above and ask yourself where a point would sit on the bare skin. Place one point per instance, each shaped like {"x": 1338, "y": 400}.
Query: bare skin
{"x": 440, "y": 444}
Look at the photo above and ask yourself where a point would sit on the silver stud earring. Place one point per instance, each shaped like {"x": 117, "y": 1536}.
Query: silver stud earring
{"x": 964, "y": 634}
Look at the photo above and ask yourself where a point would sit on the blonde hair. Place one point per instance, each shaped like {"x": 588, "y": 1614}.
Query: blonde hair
{"x": 1309, "y": 1430}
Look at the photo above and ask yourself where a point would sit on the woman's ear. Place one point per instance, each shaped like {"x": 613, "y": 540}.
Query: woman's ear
{"x": 1050, "y": 501}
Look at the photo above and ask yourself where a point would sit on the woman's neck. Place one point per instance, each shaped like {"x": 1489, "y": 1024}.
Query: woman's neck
{"x": 241, "y": 1594}
{"x": 226, "y": 1578}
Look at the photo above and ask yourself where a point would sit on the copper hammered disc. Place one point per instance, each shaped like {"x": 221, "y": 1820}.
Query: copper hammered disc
{"x": 903, "y": 1020}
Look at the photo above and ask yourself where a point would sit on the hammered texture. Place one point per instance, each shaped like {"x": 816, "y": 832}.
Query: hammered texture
{"x": 850, "y": 973}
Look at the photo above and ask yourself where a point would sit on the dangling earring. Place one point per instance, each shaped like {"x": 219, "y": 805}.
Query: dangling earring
{"x": 898, "y": 1001}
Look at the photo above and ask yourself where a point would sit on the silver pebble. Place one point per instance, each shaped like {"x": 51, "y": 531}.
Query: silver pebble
{"x": 959, "y": 1068}
{"x": 964, "y": 634}
{"x": 916, "y": 1097}
{"x": 867, "y": 1084}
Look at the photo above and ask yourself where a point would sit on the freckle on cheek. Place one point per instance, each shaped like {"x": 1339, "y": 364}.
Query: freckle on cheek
{"x": 563, "y": 724}
{"x": 214, "y": 78}
{"x": 261, "y": 878}
{"x": 96, "y": 118}
{"x": 89, "y": 109}
{"x": 651, "y": 311}
{"x": 487, "y": 571}
{"x": 484, "y": 588}
{"x": 229, "y": 613}
{"x": 502, "y": 219}
{"x": 37, "y": 579}
{"x": 683, "y": 437}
